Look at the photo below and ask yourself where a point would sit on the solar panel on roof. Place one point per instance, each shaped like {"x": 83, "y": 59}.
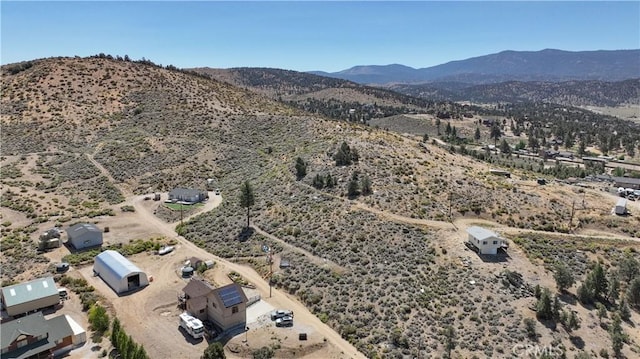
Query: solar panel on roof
{"x": 230, "y": 296}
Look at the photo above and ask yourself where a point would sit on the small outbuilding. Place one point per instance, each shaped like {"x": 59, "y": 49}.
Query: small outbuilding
{"x": 29, "y": 296}
{"x": 84, "y": 235}
{"x": 486, "y": 241}
{"x": 621, "y": 206}
{"x": 187, "y": 195}
{"x": 118, "y": 272}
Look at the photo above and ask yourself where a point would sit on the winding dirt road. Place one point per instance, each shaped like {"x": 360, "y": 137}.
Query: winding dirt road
{"x": 165, "y": 274}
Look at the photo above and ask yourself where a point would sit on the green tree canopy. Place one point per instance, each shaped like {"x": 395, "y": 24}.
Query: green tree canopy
{"x": 215, "y": 350}
{"x": 247, "y": 198}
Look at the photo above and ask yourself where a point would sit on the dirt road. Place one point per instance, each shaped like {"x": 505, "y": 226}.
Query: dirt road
{"x": 159, "y": 299}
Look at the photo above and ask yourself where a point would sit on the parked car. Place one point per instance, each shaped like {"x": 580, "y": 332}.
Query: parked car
{"x": 285, "y": 321}
{"x": 281, "y": 313}
{"x": 62, "y": 267}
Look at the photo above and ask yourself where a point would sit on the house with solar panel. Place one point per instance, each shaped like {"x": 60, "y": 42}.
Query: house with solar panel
{"x": 225, "y": 307}
{"x": 484, "y": 240}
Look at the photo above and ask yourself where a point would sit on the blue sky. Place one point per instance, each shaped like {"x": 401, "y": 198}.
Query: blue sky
{"x": 305, "y": 35}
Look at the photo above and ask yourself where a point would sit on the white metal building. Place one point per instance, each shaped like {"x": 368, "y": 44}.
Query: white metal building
{"x": 118, "y": 272}
{"x": 485, "y": 240}
{"x": 621, "y": 206}
{"x": 84, "y": 235}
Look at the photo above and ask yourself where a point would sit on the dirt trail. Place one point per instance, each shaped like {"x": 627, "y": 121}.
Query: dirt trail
{"x": 319, "y": 261}
{"x": 123, "y": 188}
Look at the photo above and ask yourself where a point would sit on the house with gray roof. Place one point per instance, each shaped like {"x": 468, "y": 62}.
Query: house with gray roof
{"x": 34, "y": 336}
{"x": 84, "y": 235}
{"x": 627, "y": 182}
{"x": 29, "y": 296}
{"x": 484, "y": 240}
{"x": 187, "y": 195}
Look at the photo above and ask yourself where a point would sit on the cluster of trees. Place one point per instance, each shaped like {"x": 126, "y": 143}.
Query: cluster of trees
{"x": 148, "y": 62}
{"x": 215, "y": 350}
{"x": 602, "y": 289}
{"x": 125, "y": 345}
{"x": 320, "y": 181}
{"x": 357, "y": 186}
{"x": 549, "y": 308}
{"x": 346, "y": 155}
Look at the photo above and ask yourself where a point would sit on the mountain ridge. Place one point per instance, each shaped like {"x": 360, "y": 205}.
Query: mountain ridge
{"x": 509, "y": 65}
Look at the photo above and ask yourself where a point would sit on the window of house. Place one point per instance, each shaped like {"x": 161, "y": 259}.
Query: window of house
{"x": 202, "y": 310}
{"x": 213, "y": 304}
{"x": 484, "y": 242}
{"x": 234, "y": 309}
{"x": 495, "y": 242}
{"x": 21, "y": 343}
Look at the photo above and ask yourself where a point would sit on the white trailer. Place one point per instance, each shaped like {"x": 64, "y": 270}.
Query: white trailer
{"x": 192, "y": 325}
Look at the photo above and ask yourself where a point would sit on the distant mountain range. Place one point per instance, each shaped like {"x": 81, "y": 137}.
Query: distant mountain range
{"x": 547, "y": 65}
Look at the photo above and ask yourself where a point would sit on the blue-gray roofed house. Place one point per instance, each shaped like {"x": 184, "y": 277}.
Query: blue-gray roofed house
{"x": 84, "y": 235}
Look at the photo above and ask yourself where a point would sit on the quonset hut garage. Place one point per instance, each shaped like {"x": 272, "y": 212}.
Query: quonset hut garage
{"x": 120, "y": 274}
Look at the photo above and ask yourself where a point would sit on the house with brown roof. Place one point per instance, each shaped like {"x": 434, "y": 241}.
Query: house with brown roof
{"x": 225, "y": 307}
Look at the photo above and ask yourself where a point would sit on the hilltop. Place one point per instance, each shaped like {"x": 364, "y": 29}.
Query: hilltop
{"x": 384, "y": 265}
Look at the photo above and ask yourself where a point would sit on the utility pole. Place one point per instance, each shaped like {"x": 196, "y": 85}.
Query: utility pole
{"x": 573, "y": 209}
{"x": 450, "y": 205}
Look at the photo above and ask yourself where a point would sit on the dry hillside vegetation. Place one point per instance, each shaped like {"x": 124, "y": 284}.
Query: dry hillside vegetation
{"x": 386, "y": 270}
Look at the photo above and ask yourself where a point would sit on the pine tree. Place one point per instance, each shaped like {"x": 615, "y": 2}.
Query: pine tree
{"x": 544, "y": 309}
{"x": 476, "y": 135}
{"x": 365, "y": 185}
{"x": 633, "y": 293}
{"x": 617, "y": 335}
{"x": 563, "y": 276}
{"x": 301, "y": 168}
{"x": 247, "y": 198}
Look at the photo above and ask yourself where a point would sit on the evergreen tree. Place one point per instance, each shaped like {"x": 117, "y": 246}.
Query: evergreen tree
{"x": 628, "y": 268}
{"x": 447, "y": 129}
{"x": 599, "y": 281}
{"x": 602, "y": 311}
{"x": 625, "y": 312}
{"x": 633, "y": 293}
{"x": 247, "y": 198}
{"x": 614, "y": 289}
{"x": 449, "y": 334}
{"x": 556, "y": 309}
{"x": 330, "y": 181}
{"x": 318, "y": 182}
{"x": 563, "y": 276}
{"x": 352, "y": 188}
{"x": 617, "y": 335}
{"x": 215, "y": 350}
{"x": 476, "y": 135}
{"x": 365, "y": 185}
{"x": 495, "y": 133}
{"x": 301, "y": 168}
{"x": 544, "y": 309}
{"x": 438, "y": 125}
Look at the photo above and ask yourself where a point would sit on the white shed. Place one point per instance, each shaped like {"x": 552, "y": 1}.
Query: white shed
{"x": 485, "y": 240}
{"x": 118, "y": 272}
{"x": 621, "y": 206}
